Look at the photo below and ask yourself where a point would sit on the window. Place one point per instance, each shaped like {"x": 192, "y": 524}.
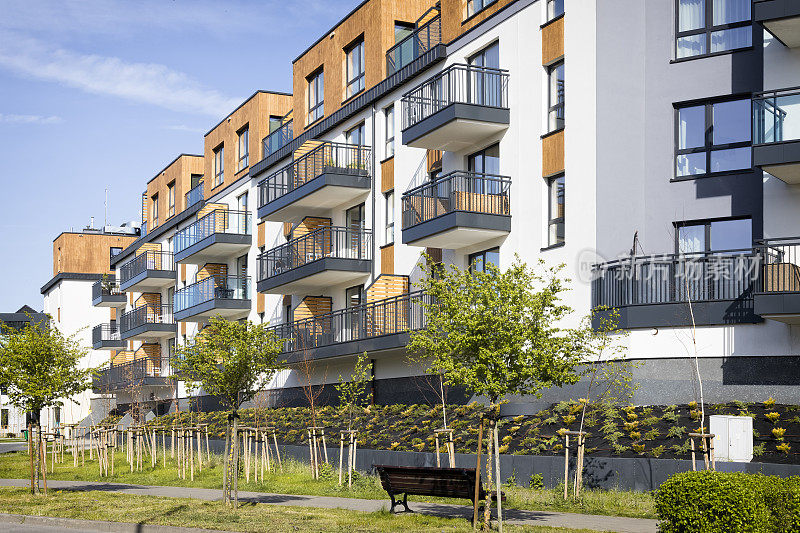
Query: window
{"x": 555, "y": 210}
{"x": 171, "y": 199}
{"x": 402, "y": 30}
{"x": 243, "y": 148}
{"x": 219, "y": 166}
{"x": 389, "y": 117}
{"x": 486, "y": 161}
{"x": 712, "y": 26}
{"x": 555, "y": 98}
{"x": 555, "y": 8}
{"x": 112, "y": 251}
{"x": 355, "y": 68}
{"x": 356, "y": 135}
{"x": 712, "y": 137}
{"x": 475, "y": 6}
{"x": 486, "y": 86}
{"x": 354, "y": 296}
{"x": 389, "y": 237}
{"x": 713, "y": 236}
{"x": 155, "y": 210}
{"x": 316, "y": 96}
{"x": 478, "y": 261}
{"x": 241, "y": 202}
{"x": 275, "y": 123}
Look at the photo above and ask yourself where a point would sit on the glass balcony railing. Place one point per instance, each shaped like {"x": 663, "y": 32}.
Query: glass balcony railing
{"x": 325, "y": 242}
{"x": 776, "y": 116}
{"x": 194, "y": 195}
{"x": 217, "y": 221}
{"x": 278, "y": 138}
{"x": 414, "y": 45}
{"x": 149, "y": 260}
{"x": 211, "y": 288}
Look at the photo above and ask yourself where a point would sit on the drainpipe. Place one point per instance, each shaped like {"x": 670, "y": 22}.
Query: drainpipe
{"x": 374, "y": 192}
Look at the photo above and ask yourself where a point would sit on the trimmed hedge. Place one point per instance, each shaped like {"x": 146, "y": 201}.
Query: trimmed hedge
{"x": 711, "y": 502}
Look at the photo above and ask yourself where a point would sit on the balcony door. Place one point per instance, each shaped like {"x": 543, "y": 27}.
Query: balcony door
{"x": 355, "y": 222}
{"x": 354, "y": 298}
{"x": 482, "y": 163}
{"x": 484, "y": 86}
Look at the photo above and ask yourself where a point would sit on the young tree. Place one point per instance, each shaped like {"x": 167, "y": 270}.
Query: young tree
{"x": 498, "y": 333}
{"x": 352, "y": 393}
{"x": 230, "y": 360}
{"x": 39, "y": 366}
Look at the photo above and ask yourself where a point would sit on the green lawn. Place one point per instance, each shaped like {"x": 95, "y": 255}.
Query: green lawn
{"x": 184, "y": 512}
{"x": 296, "y": 479}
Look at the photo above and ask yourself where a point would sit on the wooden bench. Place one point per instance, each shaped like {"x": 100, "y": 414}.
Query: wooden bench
{"x": 428, "y": 481}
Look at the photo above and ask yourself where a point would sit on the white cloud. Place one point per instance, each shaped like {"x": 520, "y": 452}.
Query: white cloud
{"x": 29, "y": 119}
{"x": 150, "y": 83}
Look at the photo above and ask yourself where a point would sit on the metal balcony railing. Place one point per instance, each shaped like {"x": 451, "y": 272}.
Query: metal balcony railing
{"x": 105, "y": 287}
{"x": 780, "y": 265}
{"x": 148, "y": 260}
{"x": 384, "y": 317}
{"x": 458, "y": 83}
{"x": 457, "y": 191}
{"x": 105, "y": 332}
{"x": 217, "y": 221}
{"x": 776, "y": 116}
{"x": 116, "y": 377}
{"x": 278, "y": 138}
{"x": 334, "y": 242}
{"x": 194, "y": 195}
{"x": 226, "y": 287}
{"x": 327, "y": 157}
{"x": 414, "y": 45}
{"x": 146, "y": 314}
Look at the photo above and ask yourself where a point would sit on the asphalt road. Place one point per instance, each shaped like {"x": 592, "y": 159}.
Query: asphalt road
{"x": 6, "y": 447}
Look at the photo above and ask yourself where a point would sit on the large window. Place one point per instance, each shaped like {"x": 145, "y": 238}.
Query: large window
{"x": 243, "y": 147}
{"x": 555, "y": 98}
{"x": 712, "y": 26}
{"x": 155, "y": 210}
{"x": 475, "y": 6}
{"x": 486, "y": 87}
{"x": 389, "y": 236}
{"x": 712, "y": 137}
{"x": 219, "y": 166}
{"x": 713, "y": 236}
{"x": 478, "y": 261}
{"x": 355, "y": 68}
{"x": 486, "y": 161}
{"x": 555, "y": 209}
{"x": 555, "y": 8}
{"x": 316, "y": 96}
{"x": 171, "y": 199}
{"x": 389, "y": 120}
{"x": 356, "y": 135}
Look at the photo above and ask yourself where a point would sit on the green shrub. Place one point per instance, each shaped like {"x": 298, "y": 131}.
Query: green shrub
{"x": 712, "y": 502}
{"x": 537, "y": 481}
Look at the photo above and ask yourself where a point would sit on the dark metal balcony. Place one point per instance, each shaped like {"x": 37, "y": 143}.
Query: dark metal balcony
{"x": 219, "y": 235}
{"x": 148, "y": 271}
{"x": 327, "y": 176}
{"x": 781, "y": 18}
{"x": 320, "y": 259}
{"x": 776, "y": 133}
{"x": 457, "y": 210}
{"x": 106, "y": 337}
{"x": 224, "y": 296}
{"x": 148, "y": 322}
{"x": 106, "y": 293}
{"x": 137, "y": 373}
{"x": 778, "y": 291}
{"x": 417, "y": 43}
{"x": 195, "y": 195}
{"x": 458, "y": 108}
{"x": 278, "y": 138}
{"x": 373, "y": 327}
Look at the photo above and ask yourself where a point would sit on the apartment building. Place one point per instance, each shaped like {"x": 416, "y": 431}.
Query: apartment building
{"x": 440, "y": 128}
{"x": 82, "y": 274}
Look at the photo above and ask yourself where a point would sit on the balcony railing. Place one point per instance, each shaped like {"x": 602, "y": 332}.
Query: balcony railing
{"x": 457, "y": 191}
{"x": 217, "y": 221}
{"x": 105, "y": 332}
{"x": 144, "y": 315}
{"x": 414, "y": 45}
{"x": 105, "y": 287}
{"x": 194, "y": 195}
{"x": 326, "y": 242}
{"x": 776, "y": 116}
{"x": 464, "y": 84}
{"x": 115, "y": 377}
{"x": 327, "y": 157}
{"x": 781, "y": 265}
{"x": 385, "y": 317}
{"x": 225, "y": 287}
{"x": 148, "y": 260}
{"x": 278, "y": 138}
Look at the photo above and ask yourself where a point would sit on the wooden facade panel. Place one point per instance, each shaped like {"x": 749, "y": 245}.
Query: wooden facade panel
{"x": 553, "y": 154}
{"x": 553, "y": 42}
{"x": 435, "y": 254}
{"x": 261, "y": 232}
{"x": 151, "y": 352}
{"x": 183, "y": 273}
{"x": 261, "y": 303}
{"x": 150, "y": 299}
{"x": 86, "y": 253}
{"x": 455, "y": 19}
{"x": 387, "y": 286}
{"x": 179, "y": 173}
{"x": 433, "y": 160}
{"x": 313, "y": 306}
{"x": 212, "y": 269}
{"x": 183, "y": 328}
{"x": 287, "y": 229}
{"x": 112, "y": 313}
{"x": 120, "y": 357}
{"x": 387, "y": 259}
{"x": 387, "y": 175}
{"x": 309, "y": 224}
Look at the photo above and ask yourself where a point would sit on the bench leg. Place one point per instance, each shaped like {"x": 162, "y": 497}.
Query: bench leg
{"x": 404, "y": 503}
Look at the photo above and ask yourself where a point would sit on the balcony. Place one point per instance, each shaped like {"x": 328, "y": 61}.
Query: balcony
{"x": 778, "y": 290}
{"x": 458, "y": 108}
{"x": 106, "y": 293}
{"x": 781, "y": 18}
{"x": 224, "y": 296}
{"x": 137, "y": 373}
{"x": 417, "y": 43}
{"x": 147, "y": 272}
{"x": 195, "y": 195}
{"x": 318, "y": 260}
{"x": 148, "y": 322}
{"x": 459, "y": 209}
{"x": 278, "y": 138}
{"x": 325, "y": 177}
{"x": 376, "y": 326}
{"x": 106, "y": 337}
{"x": 219, "y": 235}
{"x": 776, "y": 133}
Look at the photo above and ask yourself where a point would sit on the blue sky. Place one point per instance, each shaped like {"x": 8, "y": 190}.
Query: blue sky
{"x": 103, "y": 94}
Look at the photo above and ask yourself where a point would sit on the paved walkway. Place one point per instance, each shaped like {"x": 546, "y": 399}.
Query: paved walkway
{"x": 512, "y": 516}
{"x": 16, "y": 523}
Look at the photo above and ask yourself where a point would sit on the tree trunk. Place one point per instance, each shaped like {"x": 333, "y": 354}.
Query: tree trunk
{"x": 235, "y": 439}
{"x": 226, "y": 463}
{"x": 497, "y": 475}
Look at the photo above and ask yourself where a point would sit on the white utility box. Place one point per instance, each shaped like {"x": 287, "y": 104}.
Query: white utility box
{"x": 733, "y": 437}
